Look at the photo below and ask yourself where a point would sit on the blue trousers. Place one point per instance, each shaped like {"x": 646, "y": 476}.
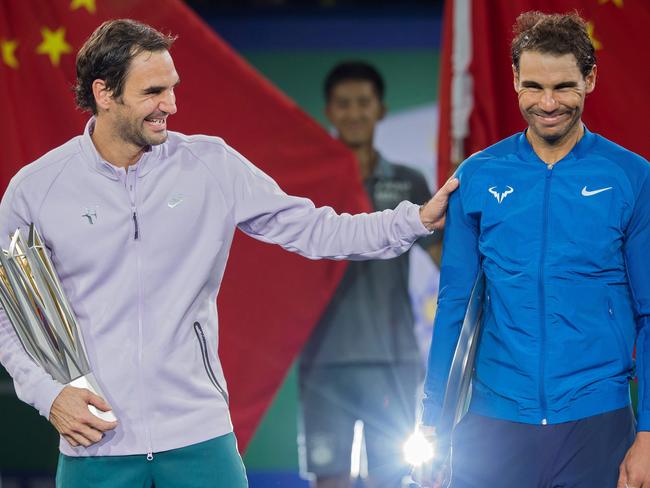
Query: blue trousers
{"x": 491, "y": 453}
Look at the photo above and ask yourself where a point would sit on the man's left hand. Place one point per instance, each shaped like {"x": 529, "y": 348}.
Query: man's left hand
{"x": 434, "y": 211}
{"x": 634, "y": 471}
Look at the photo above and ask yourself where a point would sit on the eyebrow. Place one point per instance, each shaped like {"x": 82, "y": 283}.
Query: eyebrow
{"x": 534, "y": 84}
{"x": 157, "y": 89}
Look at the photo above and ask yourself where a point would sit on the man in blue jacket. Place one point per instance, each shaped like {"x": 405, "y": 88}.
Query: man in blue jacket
{"x": 558, "y": 218}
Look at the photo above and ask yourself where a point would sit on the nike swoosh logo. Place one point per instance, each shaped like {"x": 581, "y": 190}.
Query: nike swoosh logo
{"x": 587, "y": 193}
{"x": 174, "y": 203}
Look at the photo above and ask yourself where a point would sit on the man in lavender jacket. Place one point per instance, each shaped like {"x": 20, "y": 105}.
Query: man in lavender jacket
{"x": 142, "y": 269}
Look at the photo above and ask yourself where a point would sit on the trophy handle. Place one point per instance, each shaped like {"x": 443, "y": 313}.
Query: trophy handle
{"x": 88, "y": 382}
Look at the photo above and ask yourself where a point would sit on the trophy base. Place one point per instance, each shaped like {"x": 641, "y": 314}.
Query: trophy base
{"x": 88, "y": 382}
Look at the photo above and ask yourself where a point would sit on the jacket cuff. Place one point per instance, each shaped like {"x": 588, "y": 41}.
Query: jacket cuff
{"x": 643, "y": 421}
{"x": 415, "y": 222}
{"x": 430, "y": 413}
{"x": 46, "y": 392}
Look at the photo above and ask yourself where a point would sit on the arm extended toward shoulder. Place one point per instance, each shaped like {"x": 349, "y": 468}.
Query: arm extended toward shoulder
{"x": 265, "y": 212}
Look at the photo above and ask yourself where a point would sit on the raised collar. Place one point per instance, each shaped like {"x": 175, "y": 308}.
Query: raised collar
{"x": 577, "y": 152}
{"x": 146, "y": 163}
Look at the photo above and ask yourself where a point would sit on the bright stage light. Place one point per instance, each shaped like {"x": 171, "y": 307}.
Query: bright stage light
{"x": 418, "y": 449}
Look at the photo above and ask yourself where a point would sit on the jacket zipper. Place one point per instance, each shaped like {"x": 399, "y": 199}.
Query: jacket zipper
{"x": 206, "y": 360}
{"x": 131, "y": 181}
{"x": 542, "y": 297}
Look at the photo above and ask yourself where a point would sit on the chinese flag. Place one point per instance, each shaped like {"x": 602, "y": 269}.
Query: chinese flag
{"x": 478, "y": 104}
{"x": 270, "y": 299}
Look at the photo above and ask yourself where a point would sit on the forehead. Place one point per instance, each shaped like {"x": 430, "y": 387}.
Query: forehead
{"x": 354, "y": 89}
{"x": 152, "y": 68}
{"x": 537, "y": 66}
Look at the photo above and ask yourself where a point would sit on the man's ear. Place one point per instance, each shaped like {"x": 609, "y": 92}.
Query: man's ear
{"x": 590, "y": 80}
{"x": 515, "y": 78}
{"x": 103, "y": 96}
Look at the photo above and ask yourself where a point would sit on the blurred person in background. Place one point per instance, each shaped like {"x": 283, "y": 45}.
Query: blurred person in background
{"x": 558, "y": 218}
{"x": 362, "y": 360}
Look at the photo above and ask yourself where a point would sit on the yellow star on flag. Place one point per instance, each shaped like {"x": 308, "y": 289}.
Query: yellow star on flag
{"x": 8, "y": 51}
{"x": 590, "y": 32}
{"x": 618, "y": 3}
{"x": 54, "y": 44}
{"x": 87, "y": 4}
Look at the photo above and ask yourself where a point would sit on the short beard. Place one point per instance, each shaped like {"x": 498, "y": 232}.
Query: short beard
{"x": 557, "y": 139}
{"x": 128, "y": 134}
{"x": 554, "y": 139}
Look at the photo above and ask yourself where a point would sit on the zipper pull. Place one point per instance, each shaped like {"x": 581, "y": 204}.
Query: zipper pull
{"x": 136, "y": 228}
{"x": 150, "y": 456}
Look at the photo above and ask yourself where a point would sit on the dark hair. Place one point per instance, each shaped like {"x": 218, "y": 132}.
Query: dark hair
{"x": 354, "y": 70}
{"x": 553, "y": 34}
{"x": 107, "y": 55}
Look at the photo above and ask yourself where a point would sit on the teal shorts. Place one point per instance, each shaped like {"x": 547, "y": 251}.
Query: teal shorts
{"x": 211, "y": 464}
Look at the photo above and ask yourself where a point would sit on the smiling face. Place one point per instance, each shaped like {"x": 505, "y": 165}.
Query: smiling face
{"x": 138, "y": 117}
{"x": 354, "y": 109}
{"x": 552, "y": 92}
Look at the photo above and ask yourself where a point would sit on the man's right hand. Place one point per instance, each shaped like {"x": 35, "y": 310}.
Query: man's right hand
{"x": 434, "y": 473}
{"x": 70, "y": 416}
{"x": 433, "y": 212}
{"x": 431, "y": 475}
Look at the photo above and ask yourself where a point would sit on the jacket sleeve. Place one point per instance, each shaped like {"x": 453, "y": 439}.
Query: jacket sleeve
{"x": 32, "y": 384}
{"x": 637, "y": 243}
{"x": 263, "y": 211}
{"x": 459, "y": 269}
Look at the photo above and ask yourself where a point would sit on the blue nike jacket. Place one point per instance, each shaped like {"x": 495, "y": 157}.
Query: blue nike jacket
{"x": 564, "y": 248}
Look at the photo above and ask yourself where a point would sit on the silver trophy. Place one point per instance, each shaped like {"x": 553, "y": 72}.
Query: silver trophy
{"x": 459, "y": 381}
{"x": 458, "y": 391}
{"x": 33, "y": 299}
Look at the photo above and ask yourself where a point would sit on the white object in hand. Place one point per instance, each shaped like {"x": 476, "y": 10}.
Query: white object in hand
{"x": 89, "y": 382}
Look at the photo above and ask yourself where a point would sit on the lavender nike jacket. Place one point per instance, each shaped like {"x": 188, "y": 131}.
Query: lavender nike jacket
{"x": 141, "y": 254}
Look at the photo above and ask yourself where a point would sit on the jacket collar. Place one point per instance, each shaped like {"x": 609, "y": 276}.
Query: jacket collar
{"x": 147, "y": 161}
{"x": 577, "y": 152}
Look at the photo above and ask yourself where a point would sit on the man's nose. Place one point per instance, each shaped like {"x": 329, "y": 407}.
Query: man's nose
{"x": 168, "y": 103}
{"x": 548, "y": 103}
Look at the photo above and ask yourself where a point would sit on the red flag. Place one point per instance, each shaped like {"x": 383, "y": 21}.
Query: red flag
{"x": 270, "y": 299}
{"x": 478, "y": 105}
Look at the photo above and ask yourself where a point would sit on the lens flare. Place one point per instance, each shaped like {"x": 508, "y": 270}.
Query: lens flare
{"x": 418, "y": 449}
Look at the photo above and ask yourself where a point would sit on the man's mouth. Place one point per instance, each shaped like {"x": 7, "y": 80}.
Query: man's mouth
{"x": 550, "y": 119}
{"x": 156, "y": 123}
